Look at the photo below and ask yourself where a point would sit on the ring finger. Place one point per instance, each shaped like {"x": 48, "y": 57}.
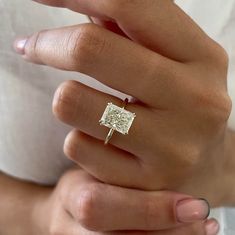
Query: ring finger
{"x": 82, "y": 107}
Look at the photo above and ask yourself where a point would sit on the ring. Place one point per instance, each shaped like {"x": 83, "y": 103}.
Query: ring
{"x": 117, "y": 119}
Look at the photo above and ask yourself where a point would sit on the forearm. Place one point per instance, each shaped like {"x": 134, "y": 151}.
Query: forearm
{"x": 17, "y": 202}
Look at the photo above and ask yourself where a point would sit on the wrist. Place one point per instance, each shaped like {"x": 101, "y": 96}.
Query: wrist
{"x": 17, "y": 205}
{"x": 40, "y": 211}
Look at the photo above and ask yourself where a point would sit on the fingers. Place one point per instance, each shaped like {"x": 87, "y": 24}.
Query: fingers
{"x": 108, "y": 164}
{"x": 82, "y": 107}
{"x": 159, "y": 25}
{"x": 112, "y": 165}
{"x": 102, "y": 207}
{"x": 210, "y": 227}
{"x": 113, "y": 60}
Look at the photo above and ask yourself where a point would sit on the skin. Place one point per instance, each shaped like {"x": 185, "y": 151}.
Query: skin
{"x": 79, "y": 206}
{"x": 171, "y": 145}
{"x": 178, "y": 76}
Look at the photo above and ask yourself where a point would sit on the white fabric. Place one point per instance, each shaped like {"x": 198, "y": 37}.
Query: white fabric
{"x": 31, "y": 139}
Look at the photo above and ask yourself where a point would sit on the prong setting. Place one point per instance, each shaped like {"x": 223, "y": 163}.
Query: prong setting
{"x": 117, "y": 118}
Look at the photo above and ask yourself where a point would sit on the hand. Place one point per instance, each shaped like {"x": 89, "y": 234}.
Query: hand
{"x": 179, "y": 139}
{"x": 80, "y": 204}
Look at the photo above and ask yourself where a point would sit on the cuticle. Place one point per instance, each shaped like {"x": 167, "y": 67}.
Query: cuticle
{"x": 208, "y": 206}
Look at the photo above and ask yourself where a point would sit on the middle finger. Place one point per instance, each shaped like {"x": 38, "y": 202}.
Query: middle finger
{"x": 110, "y": 58}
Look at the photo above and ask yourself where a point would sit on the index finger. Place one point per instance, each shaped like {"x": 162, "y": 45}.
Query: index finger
{"x": 159, "y": 25}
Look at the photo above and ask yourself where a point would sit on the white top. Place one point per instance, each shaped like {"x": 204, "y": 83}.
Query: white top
{"x": 31, "y": 139}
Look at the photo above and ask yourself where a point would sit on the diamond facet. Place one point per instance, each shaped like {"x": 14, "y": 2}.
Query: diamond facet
{"x": 117, "y": 118}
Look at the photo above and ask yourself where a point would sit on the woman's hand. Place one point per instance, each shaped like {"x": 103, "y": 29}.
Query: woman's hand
{"x": 80, "y": 204}
{"x": 179, "y": 139}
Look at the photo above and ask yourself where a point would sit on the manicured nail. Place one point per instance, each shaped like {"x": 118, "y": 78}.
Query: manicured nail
{"x": 19, "y": 46}
{"x": 192, "y": 210}
{"x": 212, "y": 227}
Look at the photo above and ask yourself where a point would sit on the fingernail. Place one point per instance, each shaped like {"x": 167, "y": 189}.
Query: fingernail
{"x": 19, "y": 46}
{"x": 192, "y": 210}
{"x": 212, "y": 227}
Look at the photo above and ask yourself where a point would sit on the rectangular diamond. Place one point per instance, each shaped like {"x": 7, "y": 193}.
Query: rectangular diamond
{"x": 117, "y": 118}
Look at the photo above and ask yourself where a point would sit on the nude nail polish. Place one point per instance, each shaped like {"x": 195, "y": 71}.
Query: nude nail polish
{"x": 192, "y": 210}
{"x": 19, "y": 46}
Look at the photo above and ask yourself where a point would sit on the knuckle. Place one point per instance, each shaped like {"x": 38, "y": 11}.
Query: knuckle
{"x": 87, "y": 214}
{"x": 85, "y": 45}
{"x": 184, "y": 154}
{"x": 191, "y": 159}
{"x": 222, "y": 110}
{"x": 185, "y": 158}
{"x": 222, "y": 57}
{"x": 219, "y": 57}
{"x": 188, "y": 157}
{"x": 213, "y": 106}
{"x": 217, "y": 108}
{"x": 228, "y": 104}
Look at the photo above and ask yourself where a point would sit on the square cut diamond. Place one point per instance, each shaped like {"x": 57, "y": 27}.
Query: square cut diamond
{"x": 117, "y": 118}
